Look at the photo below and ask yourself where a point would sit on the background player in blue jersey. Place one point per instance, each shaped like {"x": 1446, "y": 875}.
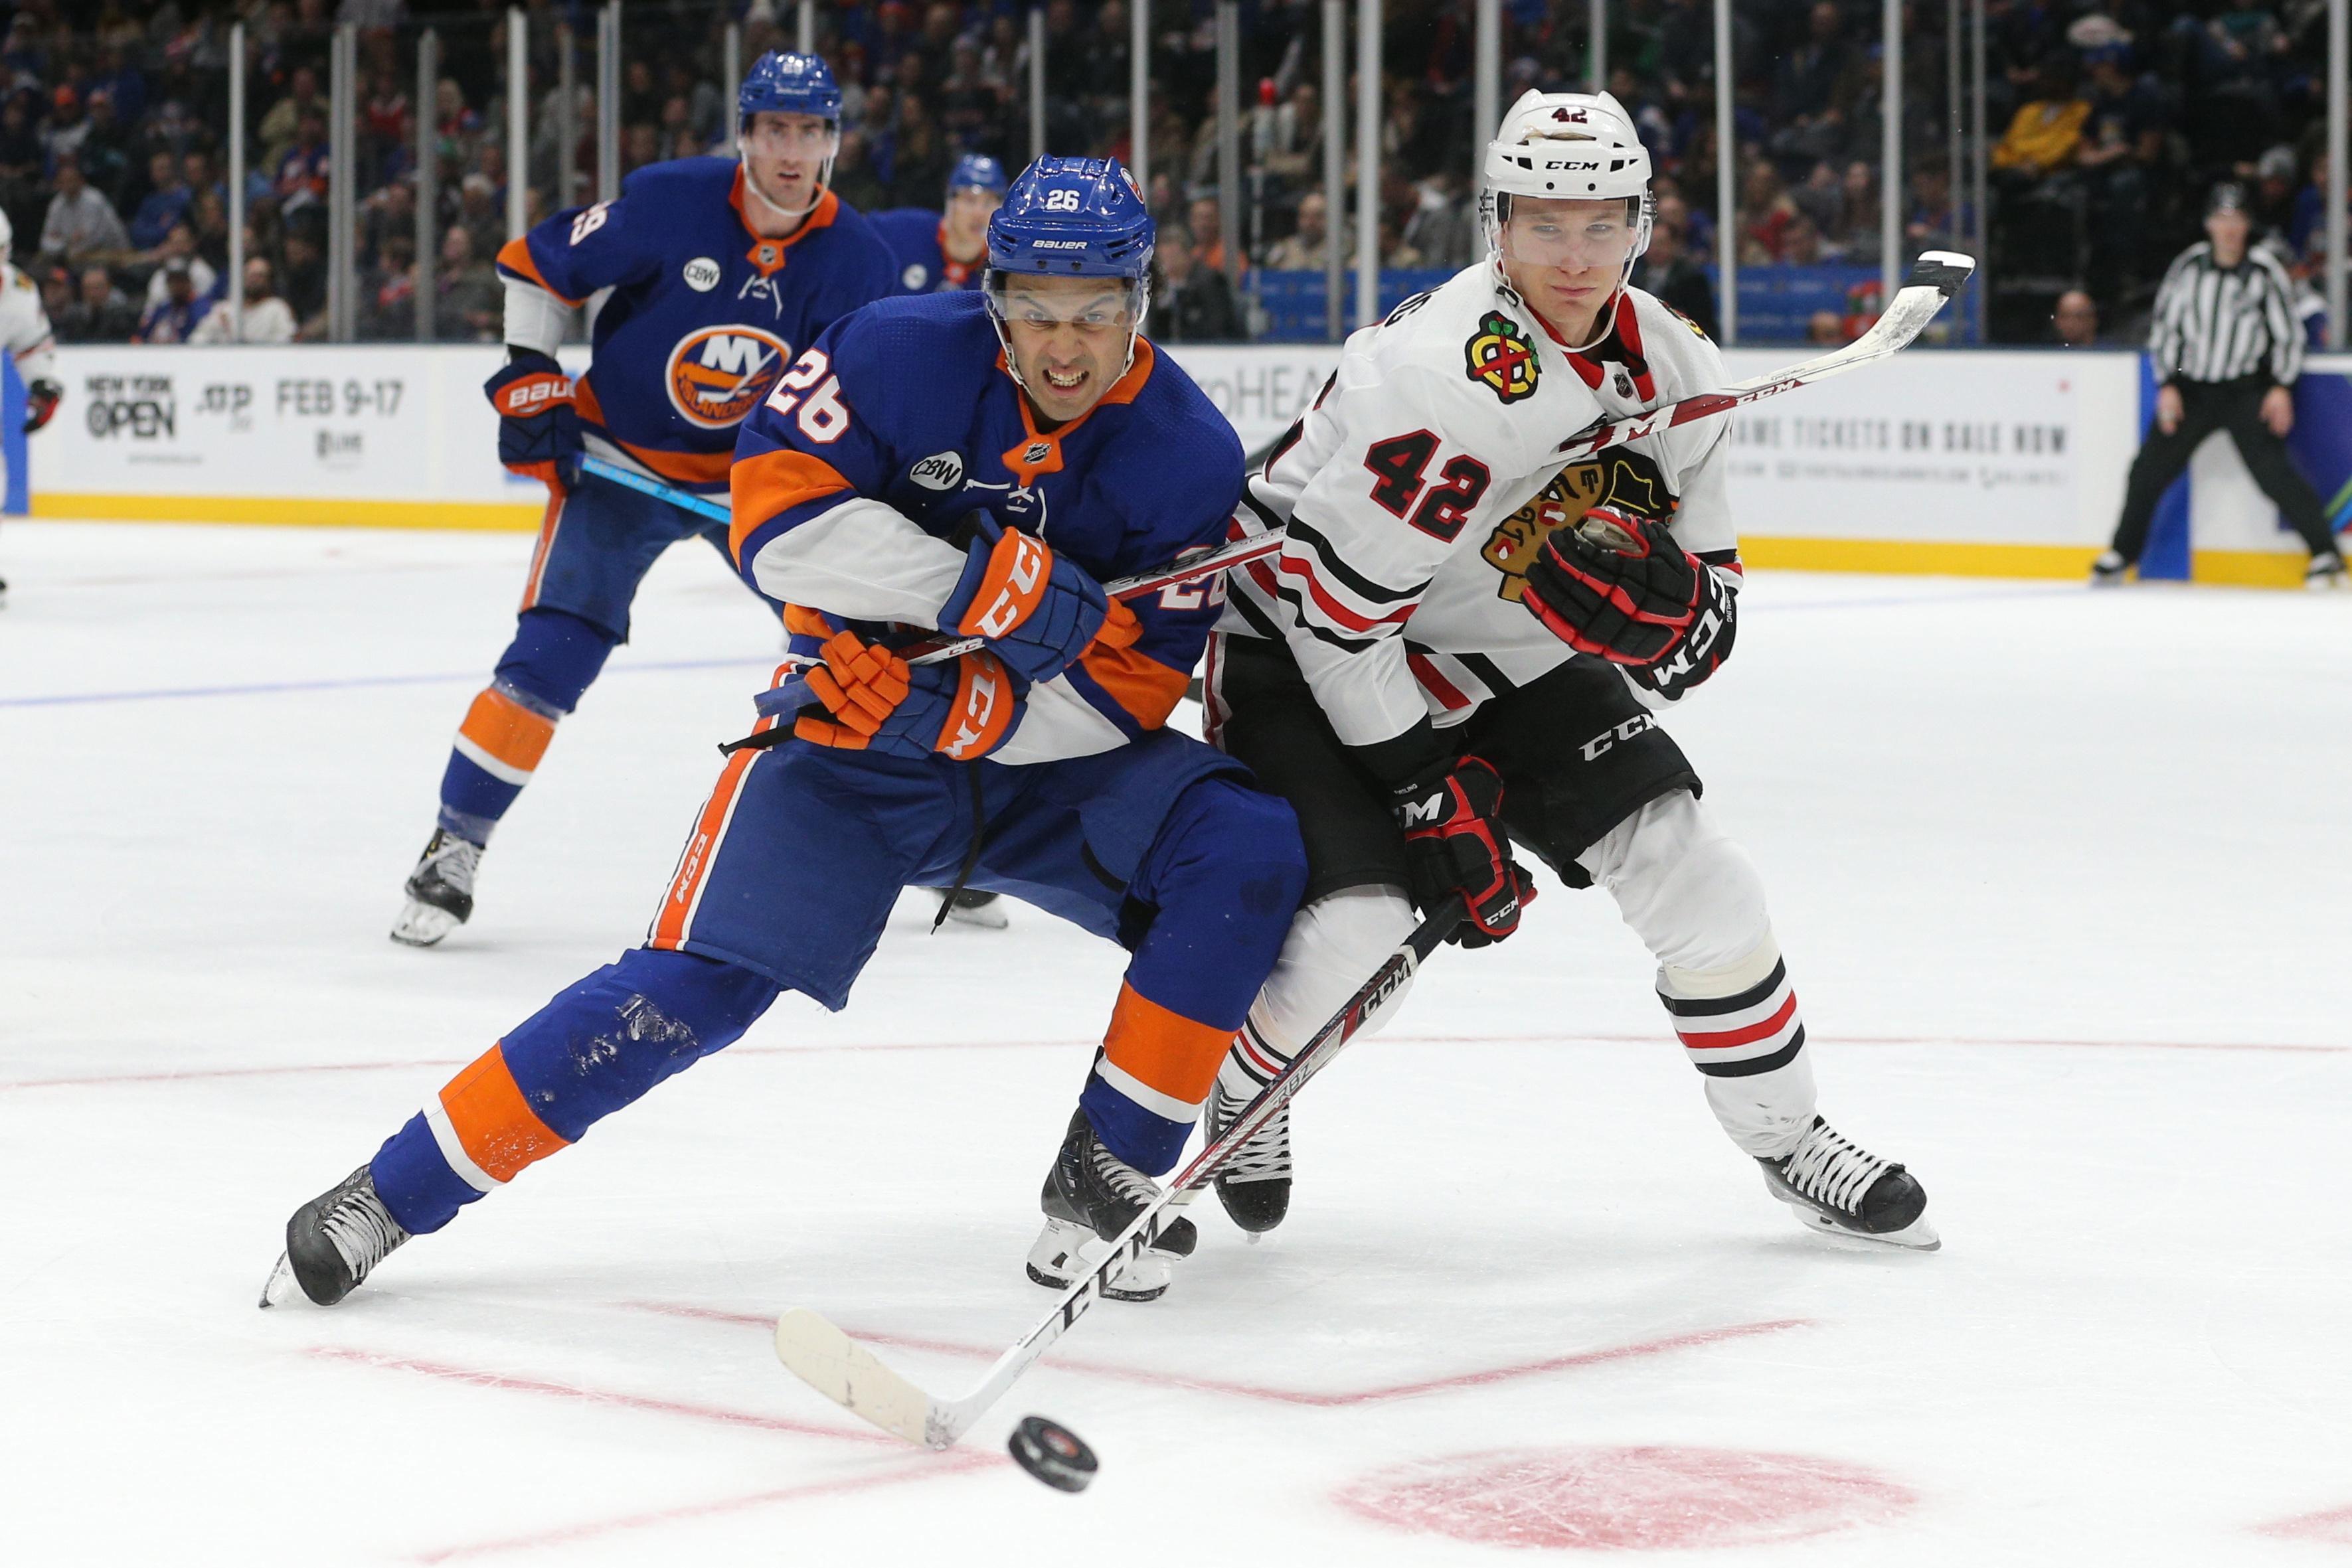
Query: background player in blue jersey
{"x": 976, "y": 462}
{"x": 944, "y": 250}
{"x": 715, "y": 274}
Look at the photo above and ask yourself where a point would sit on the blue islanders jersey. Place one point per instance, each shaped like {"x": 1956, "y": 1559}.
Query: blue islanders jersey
{"x": 703, "y": 315}
{"x": 918, "y": 240}
{"x": 903, "y": 418}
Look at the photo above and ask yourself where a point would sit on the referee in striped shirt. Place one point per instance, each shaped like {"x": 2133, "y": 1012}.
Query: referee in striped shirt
{"x": 2228, "y": 345}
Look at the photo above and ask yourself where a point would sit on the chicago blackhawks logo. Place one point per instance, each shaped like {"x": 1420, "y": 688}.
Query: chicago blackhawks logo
{"x": 718, "y": 375}
{"x": 1502, "y": 358}
{"x": 1626, "y": 480}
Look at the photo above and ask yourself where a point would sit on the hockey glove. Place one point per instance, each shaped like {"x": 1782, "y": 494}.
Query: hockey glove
{"x": 41, "y": 399}
{"x": 1621, "y": 588}
{"x": 875, "y": 701}
{"x": 539, "y": 425}
{"x": 1037, "y": 610}
{"x": 1452, "y": 816}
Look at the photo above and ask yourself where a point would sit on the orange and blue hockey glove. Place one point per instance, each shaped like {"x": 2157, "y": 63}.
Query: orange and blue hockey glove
{"x": 874, "y": 700}
{"x": 539, "y": 422}
{"x": 1037, "y": 610}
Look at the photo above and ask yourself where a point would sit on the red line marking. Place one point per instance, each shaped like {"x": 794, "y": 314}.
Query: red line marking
{"x": 2330, "y": 1528}
{"x": 923, "y": 1470}
{"x": 513, "y": 1383}
{"x": 1324, "y": 1401}
{"x": 1661, "y": 1038}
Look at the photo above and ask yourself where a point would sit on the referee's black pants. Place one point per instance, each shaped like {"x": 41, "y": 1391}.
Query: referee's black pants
{"x": 2235, "y": 406}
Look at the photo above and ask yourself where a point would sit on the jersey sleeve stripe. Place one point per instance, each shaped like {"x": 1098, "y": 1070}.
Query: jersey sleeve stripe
{"x": 1330, "y": 607}
{"x": 515, "y": 261}
{"x": 1145, "y": 690}
{"x": 1356, "y": 582}
{"x": 764, "y": 487}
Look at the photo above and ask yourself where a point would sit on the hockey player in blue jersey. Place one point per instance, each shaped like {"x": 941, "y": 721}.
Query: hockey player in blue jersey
{"x": 714, "y": 274}
{"x": 944, "y": 250}
{"x": 976, "y": 462}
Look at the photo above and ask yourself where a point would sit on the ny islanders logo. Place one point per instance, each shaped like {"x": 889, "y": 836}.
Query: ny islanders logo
{"x": 718, "y": 375}
{"x": 1502, "y": 359}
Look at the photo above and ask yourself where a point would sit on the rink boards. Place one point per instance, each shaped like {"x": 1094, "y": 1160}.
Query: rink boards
{"x": 1992, "y": 463}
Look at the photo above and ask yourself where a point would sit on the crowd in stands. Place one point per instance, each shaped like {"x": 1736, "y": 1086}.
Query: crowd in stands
{"x": 2110, "y": 118}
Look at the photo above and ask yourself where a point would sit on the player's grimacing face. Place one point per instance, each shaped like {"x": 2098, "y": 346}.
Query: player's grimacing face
{"x": 1069, "y": 338}
{"x": 1565, "y": 257}
{"x": 785, "y": 157}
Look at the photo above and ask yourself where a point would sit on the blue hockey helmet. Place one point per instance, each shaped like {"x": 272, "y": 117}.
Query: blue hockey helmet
{"x": 782, "y": 82}
{"x": 976, "y": 172}
{"x": 1072, "y": 217}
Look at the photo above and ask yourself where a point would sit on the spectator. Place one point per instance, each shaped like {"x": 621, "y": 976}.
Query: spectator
{"x": 106, "y": 151}
{"x": 1825, "y": 326}
{"x": 1191, "y": 302}
{"x": 471, "y": 306}
{"x": 306, "y": 280}
{"x": 1810, "y": 87}
{"x": 478, "y": 215}
{"x": 301, "y": 178}
{"x": 1206, "y": 216}
{"x": 281, "y": 125}
{"x": 1304, "y": 250}
{"x": 81, "y": 224}
{"x": 1767, "y": 210}
{"x": 2044, "y": 133}
{"x": 1395, "y": 254}
{"x": 67, "y": 129}
{"x": 1667, "y": 271}
{"x": 265, "y": 317}
{"x": 181, "y": 311}
{"x": 2075, "y": 321}
{"x": 2274, "y": 193}
{"x": 100, "y": 313}
{"x": 178, "y": 245}
{"x": 57, "y": 285}
{"x": 389, "y": 291}
{"x": 2307, "y": 228}
{"x": 1443, "y": 228}
{"x": 167, "y": 198}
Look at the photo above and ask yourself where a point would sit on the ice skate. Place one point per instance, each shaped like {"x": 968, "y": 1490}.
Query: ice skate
{"x": 440, "y": 889}
{"x": 1842, "y": 1189}
{"x": 333, "y": 1241}
{"x": 2109, "y": 570}
{"x": 1254, "y": 1184}
{"x": 975, "y": 907}
{"x": 2325, "y": 570}
{"x": 1091, "y": 1194}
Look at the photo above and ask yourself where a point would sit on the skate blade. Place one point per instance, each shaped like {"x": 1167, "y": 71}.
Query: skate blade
{"x": 987, "y": 917}
{"x": 422, "y": 924}
{"x": 1065, "y": 1253}
{"x": 280, "y": 1287}
{"x": 1916, "y": 1237}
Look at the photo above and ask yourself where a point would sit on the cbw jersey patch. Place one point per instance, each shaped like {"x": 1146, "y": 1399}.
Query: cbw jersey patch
{"x": 718, "y": 375}
{"x": 1628, "y": 481}
{"x": 1502, "y": 358}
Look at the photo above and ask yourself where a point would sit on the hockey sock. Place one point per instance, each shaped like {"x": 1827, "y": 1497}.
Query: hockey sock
{"x": 1219, "y": 885}
{"x": 595, "y": 1048}
{"x": 1332, "y": 946}
{"x": 1740, "y": 1026}
{"x": 552, "y": 660}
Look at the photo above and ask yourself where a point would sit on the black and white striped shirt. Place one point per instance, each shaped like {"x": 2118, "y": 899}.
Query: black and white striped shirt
{"x": 2215, "y": 323}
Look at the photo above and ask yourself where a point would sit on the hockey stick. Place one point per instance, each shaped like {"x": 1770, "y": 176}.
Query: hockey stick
{"x": 846, "y": 1372}
{"x": 1936, "y": 276}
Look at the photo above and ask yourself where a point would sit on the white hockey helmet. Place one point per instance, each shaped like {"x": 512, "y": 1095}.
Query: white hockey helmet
{"x": 1568, "y": 146}
{"x": 7, "y": 237}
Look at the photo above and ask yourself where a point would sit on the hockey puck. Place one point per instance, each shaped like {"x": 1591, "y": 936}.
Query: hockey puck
{"x": 1053, "y": 1453}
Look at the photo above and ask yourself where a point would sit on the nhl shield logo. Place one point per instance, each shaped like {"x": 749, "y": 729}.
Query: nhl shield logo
{"x": 718, "y": 374}
{"x": 1502, "y": 359}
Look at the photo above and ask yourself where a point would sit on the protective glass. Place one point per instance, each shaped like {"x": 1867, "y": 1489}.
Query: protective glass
{"x": 776, "y": 135}
{"x": 1110, "y": 307}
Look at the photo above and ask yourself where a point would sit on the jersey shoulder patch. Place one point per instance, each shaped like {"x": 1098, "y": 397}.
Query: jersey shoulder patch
{"x": 1501, "y": 357}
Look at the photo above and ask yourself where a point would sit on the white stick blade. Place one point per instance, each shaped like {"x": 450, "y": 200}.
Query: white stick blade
{"x": 847, "y": 1373}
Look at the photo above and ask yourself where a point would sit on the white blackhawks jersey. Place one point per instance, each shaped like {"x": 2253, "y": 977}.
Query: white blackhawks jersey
{"x": 1424, "y": 478}
{"x": 25, "y": 327}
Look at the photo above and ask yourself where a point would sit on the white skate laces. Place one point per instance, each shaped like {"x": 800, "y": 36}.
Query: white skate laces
{"x": 1267, "y": 1155}
{"x": 1830, "y": 1169}
{"x": 363, "y": 1230}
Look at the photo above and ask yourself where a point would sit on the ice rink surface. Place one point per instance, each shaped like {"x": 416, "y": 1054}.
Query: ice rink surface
{"x": 2062, "y": 878}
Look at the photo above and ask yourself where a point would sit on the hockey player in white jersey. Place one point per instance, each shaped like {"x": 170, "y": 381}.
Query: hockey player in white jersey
{"x": 25, "y": 333}
{"x": 1463, "y": 646}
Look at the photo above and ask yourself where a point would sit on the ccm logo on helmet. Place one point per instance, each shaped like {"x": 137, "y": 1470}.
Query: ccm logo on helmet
{"x": 718, "y": 375}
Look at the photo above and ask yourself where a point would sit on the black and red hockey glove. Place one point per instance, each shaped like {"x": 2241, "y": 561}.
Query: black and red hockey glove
{"x": 1452, "y": 816}
{"x": 41, "y": 399}
{"x": 539, "y": 422}
{"x": 1621, "y": 588}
